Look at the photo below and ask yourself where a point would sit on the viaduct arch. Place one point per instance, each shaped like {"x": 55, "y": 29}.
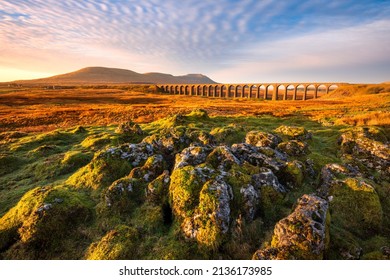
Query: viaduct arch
{"x": 266, "y": 91}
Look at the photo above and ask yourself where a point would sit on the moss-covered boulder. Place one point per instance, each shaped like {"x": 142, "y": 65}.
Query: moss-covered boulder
{"x": 184, "y": 189}
{"x": 153, "y": 167}
{"x": 294, "y": 132}
{"x": 74, "y": 160}
{"x": 192, "y": 155}
{"x": 42, "y": 219}
{"x": 294, "y": 173}
{"x": 368, "y": 150}
{"x": 301, "y": 235}
{"x": 355, "y": 206}
{"x": 122, "y": 243}
{"x": 294, "y": 148}
{"x": 129, "y": 128}
{"x": 262, "y": 139}
{"x": 213, "y": 213}
{"x": 110, "y": 165}
{"x": 13, "y": 219}
{"x": 124, "y": 195}
{"x": 228, "y": 134}
{"x": 222, "y": 158}
{"x": 157, "y": 191}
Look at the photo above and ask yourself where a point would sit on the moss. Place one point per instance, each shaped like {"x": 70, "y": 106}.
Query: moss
{"x": 78, "y": 130}
{"x": 44, "y": 151}
{"x": 124, "y": 195}
{"x": 42, "y": 219}
{"x": 271, "y": 205}
{"x": 198, "y": 114}
{"x": 293, "y": 132}
{"x": 73, "y": 160}
{"x": 119, "y": 244}
{"x": 14, "y": 218}
{"x": 62, "y": 210}
{"x": 97, "y": 141}
{"x": 150, "y": 218}
{"x": 356, "y": 207}
{"x": 9, "y": 163}
{"x": 294, "y": 172}
{"x": 184, "y": 191}
{"x": 228, "y": 134}
{"x": 104, "y": 169}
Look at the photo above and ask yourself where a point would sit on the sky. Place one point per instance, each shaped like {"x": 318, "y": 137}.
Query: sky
{"x": 229, "y": 41}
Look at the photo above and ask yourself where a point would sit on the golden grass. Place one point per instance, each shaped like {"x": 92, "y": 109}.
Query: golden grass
{"x": 37, "y": 109}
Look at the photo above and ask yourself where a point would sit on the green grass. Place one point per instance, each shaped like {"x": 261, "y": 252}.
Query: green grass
{"x": 69, "y": 165}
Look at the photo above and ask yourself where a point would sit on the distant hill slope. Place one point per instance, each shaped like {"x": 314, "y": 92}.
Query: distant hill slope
{"x": 103, "y": 75}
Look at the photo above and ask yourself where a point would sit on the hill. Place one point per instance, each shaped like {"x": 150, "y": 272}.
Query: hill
{"x": 103, "y": 75}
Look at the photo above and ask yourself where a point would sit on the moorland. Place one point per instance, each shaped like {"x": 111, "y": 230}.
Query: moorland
{"x": 127, "y": 172}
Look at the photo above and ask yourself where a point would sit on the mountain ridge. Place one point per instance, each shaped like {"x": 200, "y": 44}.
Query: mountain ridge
{"x": 106, "y": 75}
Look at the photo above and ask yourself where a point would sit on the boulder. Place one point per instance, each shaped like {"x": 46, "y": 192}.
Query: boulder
{"x": 363, "y": 148}
{"x": 266, "y": 178}
{"x": 301, "y": 235}
{"x": 124, "y": 195}
{"x": 192, "y": 155}
{"x": 294, "y": 132}
{"x": 152, "y": 168}
{"x": 262, "y": 139}
{"x": 129, "y": 128}
{"x": 222, "y": 158}
{"x": 294, "y": 148}
{"x": 251, "y": 201}
{"x": 158, "y": 190}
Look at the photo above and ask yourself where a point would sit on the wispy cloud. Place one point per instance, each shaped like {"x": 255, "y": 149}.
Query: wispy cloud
{"x": 186, "y": 36}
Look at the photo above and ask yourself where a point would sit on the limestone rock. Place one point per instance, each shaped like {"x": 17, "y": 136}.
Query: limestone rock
{"x": 267, "y": 178}
{"x": 262, "y": 139}
{"x": 294, "y": 148}
{"x": 222, "y": 158}
{"x": 359, "y": 145}
{"x": 301, "y": 235}
{"x": 250, "y": 201}
{"x": 152, "y": 168}
{"x": 129, "y": 128}
{"x": 294, "y": 132}
{"x": 192, "y": 155}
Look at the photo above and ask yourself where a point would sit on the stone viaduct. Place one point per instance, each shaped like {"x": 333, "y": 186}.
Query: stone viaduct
{"x": 266, "y": 91}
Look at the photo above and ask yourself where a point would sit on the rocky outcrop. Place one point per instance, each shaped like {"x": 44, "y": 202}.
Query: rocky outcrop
{"x": 294, "y": 132}
{"x": 262, "y": 139}
{"x": 366, "y": 149}
{"x": 294, "y": 148}
{"x": 301, "y": 235}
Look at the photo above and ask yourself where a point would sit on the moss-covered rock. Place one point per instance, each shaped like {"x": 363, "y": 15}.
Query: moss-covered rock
{"x": 294, "y": 173}
{"x": 110, "y": 165}
{"x": 301, "y": 235}
{"x": 129, "y": 128}
{"x": 42, "y": 219}
{"x": 184, "y": 189}
{"x": 262, "y": 139}
{"x": 192, "y": 155}
{"x": 13, "y": 219}
{"x": 294, "y": 132}
{"x": 221, "y": 158}
{"x": 355, "y": 206}
{"x": 157, "y": 191}
{"x": 199, "y": 114}
{"x": 153, "y": 167}
{"x": 228, "y": 134}
{"x": 364, "y": 148}
{"x": 73, "y": 160}
{"x": 294, "y": 148}
{"x": 124, "y": 195}
{"x": 122, "y": 243}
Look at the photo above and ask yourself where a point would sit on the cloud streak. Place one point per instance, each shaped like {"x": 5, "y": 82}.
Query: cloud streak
{"x": 186, "y": 36}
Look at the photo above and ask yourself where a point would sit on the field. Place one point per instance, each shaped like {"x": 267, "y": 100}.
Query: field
{"x": 72, "y": 187}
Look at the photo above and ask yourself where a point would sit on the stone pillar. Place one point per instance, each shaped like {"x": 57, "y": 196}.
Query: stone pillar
{"x": 285, "y": 93}
{"x": 275, "y": 94}
{"x": 305, "y": 93}
{"x": 316, "y": 91}
{"x": 295, "y": 93}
